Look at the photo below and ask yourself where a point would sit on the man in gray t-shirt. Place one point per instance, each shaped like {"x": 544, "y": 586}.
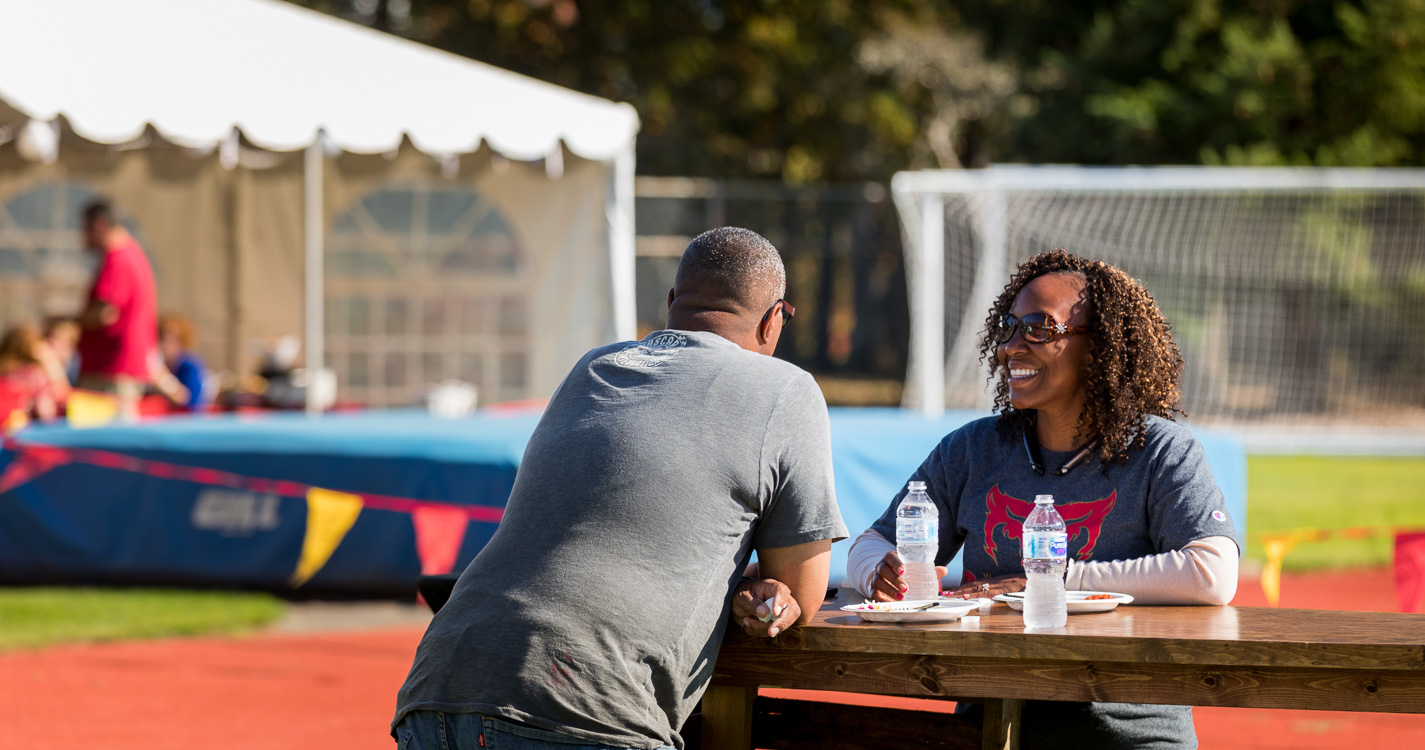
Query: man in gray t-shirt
{"x": 596, "y": 611}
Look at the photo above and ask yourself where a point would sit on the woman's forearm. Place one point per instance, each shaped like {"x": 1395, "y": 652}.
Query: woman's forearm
{"x": 866, "y": 555}
{"x": 1203, "y": 572}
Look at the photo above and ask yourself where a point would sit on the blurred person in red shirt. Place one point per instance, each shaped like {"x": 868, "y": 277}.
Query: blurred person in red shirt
{"x": 120, "y": 319}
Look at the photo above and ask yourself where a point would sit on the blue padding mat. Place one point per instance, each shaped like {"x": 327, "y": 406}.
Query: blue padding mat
{"x": 88, "y": 522}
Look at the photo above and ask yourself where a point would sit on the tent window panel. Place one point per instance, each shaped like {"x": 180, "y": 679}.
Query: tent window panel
{"x": 359, "y": 374}
{"x": 472, "y": 369}
{"x": 334, "y": 315}
{"x": 392, "y": 210}
{"x": 472, "y": 315}
{"x": 13, "y": 263}
{"x": 437, "y": 318}
{"x": 397, "y": 317}
{"x": 433, "y": 369}
{"x": 513, "y": 371}
{"x": 513, "y": 318}
{"x": 359, "y": 317}
{"x": 34, "y": 210}
{"x": 447, "y": 208}
{"x": 443, "y": 286}
{"x": 395, "y": 370}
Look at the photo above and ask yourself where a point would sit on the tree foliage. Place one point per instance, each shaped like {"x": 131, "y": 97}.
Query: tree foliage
{"x": 732, "y": 88}
{"x": 818, "y": 90}
{"x": 1251, "y": 82}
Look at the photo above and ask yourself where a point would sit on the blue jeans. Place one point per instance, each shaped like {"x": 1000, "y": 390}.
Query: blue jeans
{"x": 438, "y": 730}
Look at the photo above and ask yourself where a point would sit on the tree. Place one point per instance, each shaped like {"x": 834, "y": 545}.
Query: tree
{"x": 1262, "y": 82}
{"x": 801, "y": 90}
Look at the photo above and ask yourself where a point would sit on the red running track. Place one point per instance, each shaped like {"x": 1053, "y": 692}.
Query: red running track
{"x": 337, "y": 690}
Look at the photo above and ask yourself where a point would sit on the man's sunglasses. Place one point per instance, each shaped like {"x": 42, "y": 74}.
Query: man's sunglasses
{"x": 1037, "y": 328}
{"x": 787, "y": 312}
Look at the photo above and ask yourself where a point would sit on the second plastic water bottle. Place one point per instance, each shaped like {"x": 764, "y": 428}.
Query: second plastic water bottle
{"x": 1044, "y": 544}
{"x": 917, "y": 539}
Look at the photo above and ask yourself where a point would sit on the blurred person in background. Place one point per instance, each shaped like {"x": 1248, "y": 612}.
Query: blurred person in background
{"x": 62, "y": 335}
{"x": 120, "y": 318}
{"x": 176, "y": 339}
{"x": 25, "y": 386}
{"x": 1086, "y": 385}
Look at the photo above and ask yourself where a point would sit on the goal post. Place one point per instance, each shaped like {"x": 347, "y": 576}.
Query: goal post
{"x": 1296, "y": 294}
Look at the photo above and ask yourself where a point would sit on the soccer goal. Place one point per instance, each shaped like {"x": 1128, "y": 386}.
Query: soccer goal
{"x": 1297, "y": 296}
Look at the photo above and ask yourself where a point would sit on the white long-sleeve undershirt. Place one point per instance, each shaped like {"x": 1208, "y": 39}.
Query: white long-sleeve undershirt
{"x": 1203, "y": 572}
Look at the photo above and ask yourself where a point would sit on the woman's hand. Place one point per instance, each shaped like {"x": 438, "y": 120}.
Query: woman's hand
{"x": 889, "y": 585}
{"x": 988, "y": 588}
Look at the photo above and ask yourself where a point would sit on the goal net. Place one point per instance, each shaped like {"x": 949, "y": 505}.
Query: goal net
{"x": 1297, "y": 296}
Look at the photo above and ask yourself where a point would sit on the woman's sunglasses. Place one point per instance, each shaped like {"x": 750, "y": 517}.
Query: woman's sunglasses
{"x": 1037, "y": 328}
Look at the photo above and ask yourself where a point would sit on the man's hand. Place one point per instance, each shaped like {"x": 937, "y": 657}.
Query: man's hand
{"x": 749, "y": 607}
{"x": 889, "y": 585}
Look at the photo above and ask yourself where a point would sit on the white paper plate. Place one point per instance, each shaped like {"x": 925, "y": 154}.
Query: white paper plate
{"x": 1078, "y": 603}
{"x": 944, "y": 610}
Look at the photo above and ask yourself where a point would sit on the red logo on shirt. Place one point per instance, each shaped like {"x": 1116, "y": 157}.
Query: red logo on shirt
{"x": 1085, "y": 516}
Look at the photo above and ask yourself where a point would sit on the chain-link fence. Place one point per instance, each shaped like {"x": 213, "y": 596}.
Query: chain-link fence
{"x": 845, "y": 270}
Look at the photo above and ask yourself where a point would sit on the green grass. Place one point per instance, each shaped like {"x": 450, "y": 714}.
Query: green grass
{"x": 1289, "y": 492}
{"x": 34, "y": 617}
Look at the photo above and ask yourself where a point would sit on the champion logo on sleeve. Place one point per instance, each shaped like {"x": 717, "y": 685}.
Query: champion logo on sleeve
{"x": 1219, "y": 515}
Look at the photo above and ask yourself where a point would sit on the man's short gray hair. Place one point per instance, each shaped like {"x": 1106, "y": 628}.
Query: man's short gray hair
{"x": 737, "y": 263}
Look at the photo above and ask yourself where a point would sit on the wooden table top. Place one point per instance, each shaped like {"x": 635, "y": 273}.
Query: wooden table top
{"x": 1187, "y": 635}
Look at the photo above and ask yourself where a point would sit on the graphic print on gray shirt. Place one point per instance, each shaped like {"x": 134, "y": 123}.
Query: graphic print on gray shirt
{"x": 598, "y": 607}
{"x": 1160, "y": 500}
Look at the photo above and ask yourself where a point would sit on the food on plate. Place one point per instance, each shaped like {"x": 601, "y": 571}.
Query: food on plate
{"x": 1098, "y": 596}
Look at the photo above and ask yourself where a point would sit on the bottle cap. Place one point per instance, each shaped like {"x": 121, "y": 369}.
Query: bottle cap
{"x": 1044, "y": 499}
{"x": 916, "y": 486}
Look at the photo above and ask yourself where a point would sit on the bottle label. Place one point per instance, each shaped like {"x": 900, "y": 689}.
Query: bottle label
{"x": 1045, "y": 545}
{"x": 915, "y": 531}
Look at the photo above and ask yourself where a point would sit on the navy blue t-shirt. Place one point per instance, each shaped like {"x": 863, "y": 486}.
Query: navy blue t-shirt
{"x": 1161, "y": 499}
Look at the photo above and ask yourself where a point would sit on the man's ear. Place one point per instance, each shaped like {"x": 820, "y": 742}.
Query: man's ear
{"x": 765, "y": 329}
{"x": 670, "y": 299}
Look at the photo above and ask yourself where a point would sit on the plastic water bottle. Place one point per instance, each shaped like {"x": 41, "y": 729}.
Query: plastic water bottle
{"x": 917, "y": 538}
{"x": 1044, "y": 546}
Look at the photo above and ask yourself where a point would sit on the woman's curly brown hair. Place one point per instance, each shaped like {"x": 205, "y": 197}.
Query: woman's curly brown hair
{"x": 1134, "y": 365}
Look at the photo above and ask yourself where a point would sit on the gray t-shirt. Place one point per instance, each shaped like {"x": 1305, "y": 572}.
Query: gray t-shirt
{"x": 598, "y": 607}
{"x": 1160, "y": 500}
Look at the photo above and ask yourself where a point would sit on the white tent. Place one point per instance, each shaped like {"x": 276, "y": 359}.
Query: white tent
{"x": 232, "y": 77}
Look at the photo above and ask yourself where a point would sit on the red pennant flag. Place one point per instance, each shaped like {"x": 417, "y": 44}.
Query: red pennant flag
{"x": 440, "y": 530}
{"x": 32, "y": 461}
{"x": 1410, "y": 571}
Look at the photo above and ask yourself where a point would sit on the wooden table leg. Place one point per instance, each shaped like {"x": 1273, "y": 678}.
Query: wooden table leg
{"x": 727, "y": 718}
{"x": 1001, "y": 724}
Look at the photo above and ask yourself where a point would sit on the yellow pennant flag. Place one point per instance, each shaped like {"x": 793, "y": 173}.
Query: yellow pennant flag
{"x": 90, "y": 409}
{"x": 329, "y": 516}
{"x": 1276, "y": 549}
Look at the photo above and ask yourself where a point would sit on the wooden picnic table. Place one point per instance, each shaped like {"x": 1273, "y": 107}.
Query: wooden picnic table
{"x": 1201, "y": 656}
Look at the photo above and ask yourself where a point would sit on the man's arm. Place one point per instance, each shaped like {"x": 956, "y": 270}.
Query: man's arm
{"x": 99, "y": 314}
{"x": 794, "y": 578}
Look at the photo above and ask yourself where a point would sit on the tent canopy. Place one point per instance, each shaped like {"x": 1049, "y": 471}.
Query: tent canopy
{"x": 198, "y": 69}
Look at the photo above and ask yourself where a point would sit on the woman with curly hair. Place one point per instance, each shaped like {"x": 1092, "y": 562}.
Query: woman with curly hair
{"x": 1086, "y": 384}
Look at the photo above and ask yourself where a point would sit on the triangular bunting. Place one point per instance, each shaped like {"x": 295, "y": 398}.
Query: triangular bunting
{"x": 1410, "y": 571}
{"x": 32, "y": 461}
{"x": 329, "y": 516}
{"x": 440, "y": 530}
{"x": 1276, "y": 549}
